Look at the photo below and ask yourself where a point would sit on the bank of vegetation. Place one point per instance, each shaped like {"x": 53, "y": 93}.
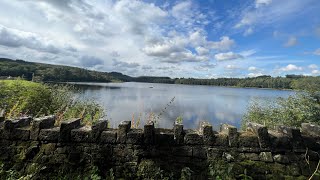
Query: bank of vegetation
{"x": 26, "y": 98}
{"x": 58, "y": 73}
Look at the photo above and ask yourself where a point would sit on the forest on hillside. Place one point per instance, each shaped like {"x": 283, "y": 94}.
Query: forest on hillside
{"x": 58, "y": 73}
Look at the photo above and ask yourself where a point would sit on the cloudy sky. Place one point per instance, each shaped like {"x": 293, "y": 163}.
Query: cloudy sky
{"x": 202, "y": 39}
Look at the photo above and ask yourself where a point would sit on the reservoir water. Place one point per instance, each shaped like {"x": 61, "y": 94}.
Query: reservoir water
{"x": 166, "y": 102}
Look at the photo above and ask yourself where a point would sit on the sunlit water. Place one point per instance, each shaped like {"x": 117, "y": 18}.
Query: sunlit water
{"x": 217, "y": 105}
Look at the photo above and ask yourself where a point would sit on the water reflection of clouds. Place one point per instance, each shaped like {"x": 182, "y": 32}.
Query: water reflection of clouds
{"x": 195, "y": 103}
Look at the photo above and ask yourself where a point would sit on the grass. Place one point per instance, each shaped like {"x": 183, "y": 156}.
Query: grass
{"x": 25, "y": 98}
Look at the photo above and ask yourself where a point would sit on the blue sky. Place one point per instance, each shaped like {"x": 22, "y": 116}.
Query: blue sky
{"x": 202, "y": 39}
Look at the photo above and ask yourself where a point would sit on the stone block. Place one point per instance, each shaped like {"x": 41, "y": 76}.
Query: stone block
{"x": 262, "y": 133}
{"x": 135, "y": 136}
{"x": 310, "y": 129}
{"x": 41, "y": 123}
{"x": 123, "y": 129}
{"x": 232, "y": 133}
{"x": 98, "y": 127}
{"x": 279, "y": 158}
{"x": 221, "y": 140}
{"x": 193, "y": 138}
{"x": 182, "y": 151}
{"x": 266, "y": 157}
{"x": 108, "y": 136}
{"x": 17, "y": 123}
{"x": 247, "y": 139}
{"x": 199, "y": 152}
{"x": 207, "y": 133}
{"x": 178, "y": 133}
{"x": 22, "y": 134}
{"x": 280, "y": 142}
{"x": 83, "y": 134}
{"x": 66, "y": 127}
{"x": 164, "y": 137}
{"x": 148, "y": 133}
{"x": 51, "y": 135}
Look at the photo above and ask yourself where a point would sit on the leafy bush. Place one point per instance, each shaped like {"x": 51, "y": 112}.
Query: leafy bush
{"x": 25, "y": 98}
{"x": 292, "y": 111}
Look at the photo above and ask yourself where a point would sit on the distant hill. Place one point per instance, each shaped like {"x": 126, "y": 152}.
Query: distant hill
{"x": 59, "y": 73}
{"x": 49, "y": 72}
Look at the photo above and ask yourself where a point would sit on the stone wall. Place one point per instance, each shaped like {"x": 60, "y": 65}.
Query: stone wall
{"x": 40, "y": 147}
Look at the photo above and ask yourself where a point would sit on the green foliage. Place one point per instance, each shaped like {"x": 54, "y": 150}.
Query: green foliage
{"x": 291, "y": 111}
{"x": 25, "y": 98}
{"x": 148, "y": 169}
{"x": 220, "y": 170}
{"x": 302, "y": 107}
{"x": 186, "y": 173}
{"x": 179, "y": 120}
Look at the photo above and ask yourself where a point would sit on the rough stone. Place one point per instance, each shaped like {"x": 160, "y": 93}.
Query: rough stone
{"x": 135, "y": 136}
{"x": 283, "y": 159}
{"x": 193, "y": 138}
{"x": 248, "y": 139}
{"x": 108, "y": 136}
{"x": 262, "y": 133}
{"x": 123, "y": 129}
{"x": 66, "y": 127}
{"x": 83, "y": 134}
{"x": 98, "y": 127}
{"x": 178, "y": 133}
{"x": 164, "y": 137}
{"x": 266, "y": 156}
{"x": 232, "y": 133}
{"x": 52, "y": 134}
{"x": 310, "y": 129}
{"x": 148, "y": 133}
{"x": 41, "y": 123}
{"x": 207, "y": 132}
{"x": 221, "y": 140}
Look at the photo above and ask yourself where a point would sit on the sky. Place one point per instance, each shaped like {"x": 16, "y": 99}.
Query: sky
{"x": 183, "y": 38}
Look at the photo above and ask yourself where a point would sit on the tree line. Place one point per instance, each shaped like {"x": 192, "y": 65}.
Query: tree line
{"x": 58, "y": 73}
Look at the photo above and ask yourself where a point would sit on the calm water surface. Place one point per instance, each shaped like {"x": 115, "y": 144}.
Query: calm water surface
{"x": 217, "y": 105}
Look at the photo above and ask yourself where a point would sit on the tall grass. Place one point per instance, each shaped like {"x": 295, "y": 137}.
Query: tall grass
{"x": 24, "y": 98}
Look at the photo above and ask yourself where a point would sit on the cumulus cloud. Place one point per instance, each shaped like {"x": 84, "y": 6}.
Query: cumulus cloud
{"x": 224, "y": 44}
{"x": 260, "y": 3}
{"x": 123, "y": 64}
{"x": 313, "y": 66}
{"x": 231, "y": 67}
{"x": 227, "y": 56}
{"x": 255, "y": 74}
{"x": 91, "y": 61}
{"x": 317, "y": 52}
{"x": 315, "y": 72}
{"x": 252, "y": 68}
{"x": 291, "y": 67}
{"x": 292, "y": 41}
{"x": 248, "y": 32}
{"x": 15, "y": 39}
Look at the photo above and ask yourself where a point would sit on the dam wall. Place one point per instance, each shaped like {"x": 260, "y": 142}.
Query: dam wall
{"x": 39, "y": 146}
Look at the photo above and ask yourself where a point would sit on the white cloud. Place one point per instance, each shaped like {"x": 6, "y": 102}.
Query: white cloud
{"x": 291, "y": 67}
{"x": 227, "y": 56}
{"x": 313, "y": 66}
{"x": 292, "y": 41}
{"x": 232, "y": 67}
{"x": 252, "y": 68}
{"x": 248, "y": 32}
{"x": 315, "y": 72}
{"x": 255, "y": 74}
{"x": 202, "y": 51}
{"x": 317, "y": 52}
{"x": 260, "y": 3}
{"x": 224, "y": 44}
{"x": 248, "y": 53}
